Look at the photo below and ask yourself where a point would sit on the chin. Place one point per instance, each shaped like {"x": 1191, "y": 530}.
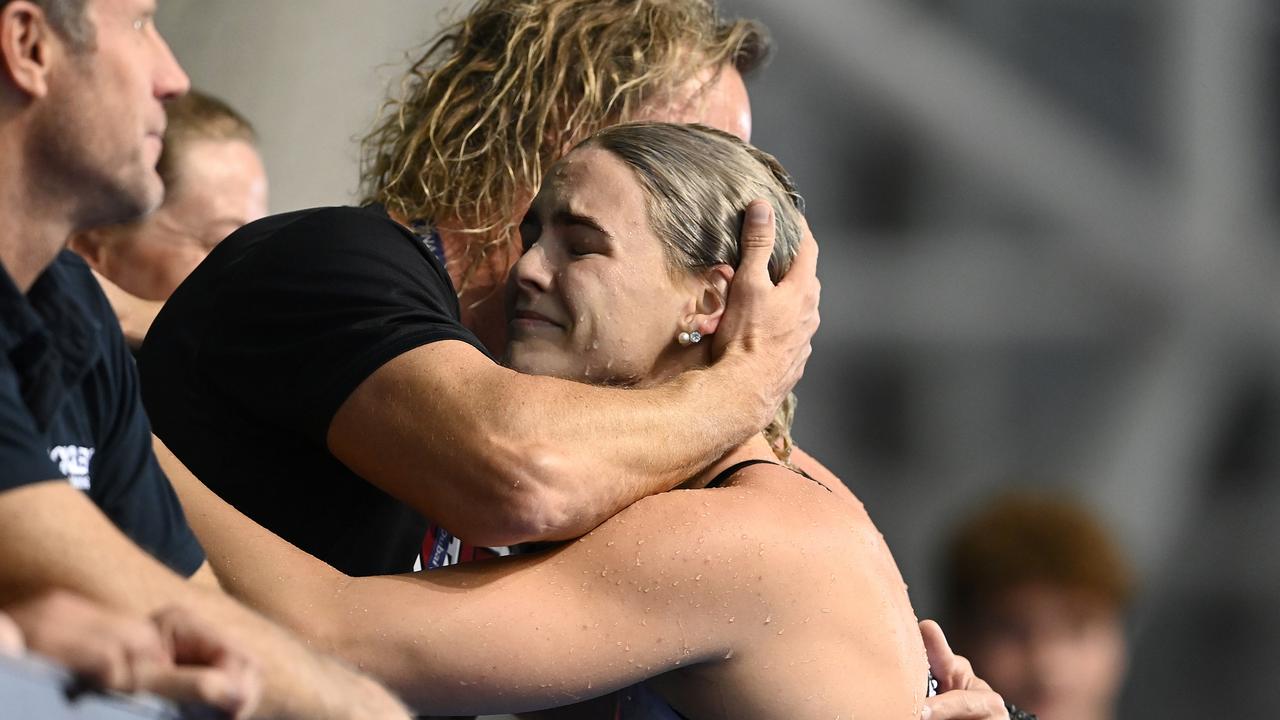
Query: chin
{"x": 130, "y": 200}
{"x": 533, "y": 361}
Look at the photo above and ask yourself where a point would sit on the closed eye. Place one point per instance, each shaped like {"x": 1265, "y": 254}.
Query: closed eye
{"x": 530, "y": 230}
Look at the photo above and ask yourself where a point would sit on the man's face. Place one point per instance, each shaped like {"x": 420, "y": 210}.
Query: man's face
{"x": 1059, "y": 653}
{"x": 101, "y": 129}
{"x": 716, "y": 97}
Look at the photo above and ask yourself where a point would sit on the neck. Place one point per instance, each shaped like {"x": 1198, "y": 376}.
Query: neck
{"x": 756, "y": 448}
{"x": 34, "y": 226}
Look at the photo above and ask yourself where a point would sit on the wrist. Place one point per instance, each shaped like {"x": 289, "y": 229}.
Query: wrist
{"x": 733, "y": 383}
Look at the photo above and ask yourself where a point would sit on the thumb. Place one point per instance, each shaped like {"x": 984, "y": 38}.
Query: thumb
{"x": 936, "y": 647}
{"x": 757, "y": 239}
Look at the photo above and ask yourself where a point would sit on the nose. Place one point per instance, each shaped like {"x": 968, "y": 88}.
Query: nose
{"x": 532, "y": 271}
{"x": 170, "y": 80}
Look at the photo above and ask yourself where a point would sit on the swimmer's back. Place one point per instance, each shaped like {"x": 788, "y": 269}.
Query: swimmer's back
{"x": 839, "y": 639}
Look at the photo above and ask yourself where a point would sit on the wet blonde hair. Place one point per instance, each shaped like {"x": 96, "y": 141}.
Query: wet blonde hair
{"x": 698, "y": 182}
{"x": 499, "y": 95}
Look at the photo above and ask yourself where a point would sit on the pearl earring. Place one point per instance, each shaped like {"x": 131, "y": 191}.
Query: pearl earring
{"x": 689, "y": 338}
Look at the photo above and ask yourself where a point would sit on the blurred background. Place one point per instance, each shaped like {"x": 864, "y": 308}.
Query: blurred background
{"x": 1050, "y": 260}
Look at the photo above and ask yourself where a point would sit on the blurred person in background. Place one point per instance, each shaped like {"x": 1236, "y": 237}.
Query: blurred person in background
{"x": 1036, "y": 593}
{"x": 214, "y": 182}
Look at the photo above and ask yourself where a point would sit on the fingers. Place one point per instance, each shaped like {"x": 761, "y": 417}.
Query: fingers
{"x": 235, "y": 694}
{"x": 965, "y": 705}
{"x": 11, "y": 642}
{"x": 191, "y": 641}
{"x": 105, "y": 648}
{"x": 805, "y": 263}
{"x": 756, "y": 243}
{"x": 210, "y": 670}
{"x": 941, "y": 658}
{"x": 953, "y": 672}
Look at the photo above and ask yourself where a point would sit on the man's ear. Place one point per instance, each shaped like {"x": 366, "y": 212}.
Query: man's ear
{"x": 90, "y": 245}
{"x": 27, "y": 44}
{"x": 712, "y": 298}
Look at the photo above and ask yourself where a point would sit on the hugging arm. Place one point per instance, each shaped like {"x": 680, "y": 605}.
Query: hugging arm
{"x": 518, "y": 458}
{"x": 639, "y": 596}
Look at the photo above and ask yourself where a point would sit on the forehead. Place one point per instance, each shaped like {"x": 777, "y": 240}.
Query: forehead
{"x": 118, "y": 7}
{"x": 594, "y": 176}
{"x": 715, "y": 96}
{"x": 596, "y": 183}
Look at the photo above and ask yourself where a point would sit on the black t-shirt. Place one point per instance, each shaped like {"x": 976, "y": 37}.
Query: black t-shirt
{"x": 251, "y": 357}
{"x": 70, "y": 411}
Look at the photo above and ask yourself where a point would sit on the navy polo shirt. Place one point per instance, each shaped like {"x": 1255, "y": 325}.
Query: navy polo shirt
{"x": 70, "y": 410}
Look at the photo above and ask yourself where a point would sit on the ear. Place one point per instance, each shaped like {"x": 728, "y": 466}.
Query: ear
{"x": 90, "y": 245}
{"x": 712, "y": 298}
{"x": 27, "y": 44}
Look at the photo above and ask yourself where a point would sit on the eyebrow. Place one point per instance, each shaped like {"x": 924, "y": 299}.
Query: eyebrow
{"x": 567, "y": 217}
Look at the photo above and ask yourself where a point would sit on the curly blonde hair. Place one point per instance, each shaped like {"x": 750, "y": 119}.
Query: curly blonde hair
{"x": 498, "y": 96}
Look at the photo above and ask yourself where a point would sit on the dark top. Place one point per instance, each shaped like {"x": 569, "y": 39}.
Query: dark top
{"x": 254, "y": 353}
{"x": 70, "y": 412}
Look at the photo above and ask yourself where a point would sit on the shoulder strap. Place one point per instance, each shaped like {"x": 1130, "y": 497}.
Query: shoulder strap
{"x": 729, "y": 472}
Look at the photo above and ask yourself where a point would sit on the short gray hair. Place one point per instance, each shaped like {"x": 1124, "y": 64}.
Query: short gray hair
{"x": 68, "y": 18}
{"x": 699, "y": 181}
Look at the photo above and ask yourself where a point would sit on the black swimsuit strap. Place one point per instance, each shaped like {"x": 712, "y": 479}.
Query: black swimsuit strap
{"x": 729, "y": 472}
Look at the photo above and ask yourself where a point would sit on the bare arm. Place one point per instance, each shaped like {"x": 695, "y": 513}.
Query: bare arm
{"x": 54, "y": 538}
{"x": 658, "y": 587}
{"x": 500, "y": 458}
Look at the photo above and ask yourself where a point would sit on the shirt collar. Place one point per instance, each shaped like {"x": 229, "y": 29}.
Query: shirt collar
{"x": 49, "y": 336}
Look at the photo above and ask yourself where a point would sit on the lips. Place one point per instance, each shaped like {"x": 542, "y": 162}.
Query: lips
{"x": 532, "y": 317}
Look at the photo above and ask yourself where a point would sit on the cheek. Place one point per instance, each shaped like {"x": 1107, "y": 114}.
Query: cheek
{"x": 630, "y": 320}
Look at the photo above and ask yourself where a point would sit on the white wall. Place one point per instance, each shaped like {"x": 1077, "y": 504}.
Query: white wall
{"x": 310, "y": 75}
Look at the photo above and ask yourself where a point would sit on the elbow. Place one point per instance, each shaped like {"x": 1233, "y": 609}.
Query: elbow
{"x": 531, "y": 499}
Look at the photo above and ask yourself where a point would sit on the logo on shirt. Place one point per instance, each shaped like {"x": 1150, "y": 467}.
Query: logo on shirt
{"x": 73, "y": 462}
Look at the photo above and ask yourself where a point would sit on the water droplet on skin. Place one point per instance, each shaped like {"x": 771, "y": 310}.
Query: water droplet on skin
{"x": 768, "y": 619}
{"x": 826, "y": 610}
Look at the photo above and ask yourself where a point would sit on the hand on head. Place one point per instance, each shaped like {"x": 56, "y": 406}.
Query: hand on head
{"x": 772, "y": 324}
{"x": 171, "y": 654}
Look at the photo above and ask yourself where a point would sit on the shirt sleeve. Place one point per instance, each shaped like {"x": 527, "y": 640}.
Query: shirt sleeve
{"x": 24, "y": 455}
{"x": 330, "y": 299}
{"x": 128, "y": 484}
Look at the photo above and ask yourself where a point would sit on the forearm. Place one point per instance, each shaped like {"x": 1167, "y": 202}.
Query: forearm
{"x": 251, "y": 563}
{"x": 106, "y": 567}
{"x": 516, "y": 458}
{"x": 610, "y": 447}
